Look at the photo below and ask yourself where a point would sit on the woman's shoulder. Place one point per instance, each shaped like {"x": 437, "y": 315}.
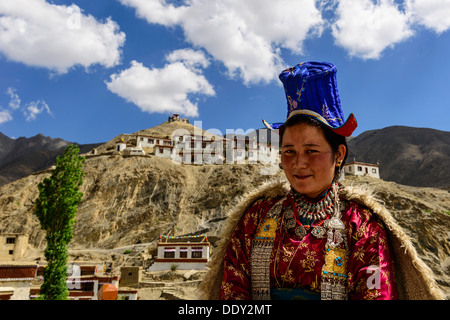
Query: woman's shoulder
{"x": 260, "y": 198}
{"x": 362, "y": 209}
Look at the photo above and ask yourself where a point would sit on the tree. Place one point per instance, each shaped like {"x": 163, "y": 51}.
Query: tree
{"x": 56, "y": 207}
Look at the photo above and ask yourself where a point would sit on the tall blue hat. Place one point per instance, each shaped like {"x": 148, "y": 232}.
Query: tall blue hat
{"x": 311, "y": 90}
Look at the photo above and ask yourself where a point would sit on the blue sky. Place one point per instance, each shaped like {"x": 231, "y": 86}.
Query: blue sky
{"x": 86, "y": 71}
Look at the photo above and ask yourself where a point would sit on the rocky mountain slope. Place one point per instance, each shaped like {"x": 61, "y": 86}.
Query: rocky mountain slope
{"x": 411, "y": 156}
{"x": 24, "y": 156}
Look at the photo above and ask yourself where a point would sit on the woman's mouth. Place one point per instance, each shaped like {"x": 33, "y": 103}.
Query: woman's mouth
{"x": 302, "y": 177}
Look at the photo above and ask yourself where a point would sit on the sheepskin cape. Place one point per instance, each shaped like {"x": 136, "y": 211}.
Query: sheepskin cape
{"x": 414, "y": 278}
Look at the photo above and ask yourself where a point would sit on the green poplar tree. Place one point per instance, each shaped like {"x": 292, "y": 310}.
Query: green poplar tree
{"x": 56, "y": 207}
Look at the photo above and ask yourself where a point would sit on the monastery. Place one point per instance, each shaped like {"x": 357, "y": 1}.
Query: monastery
{"x": 362, "y": 169}
{"x": 182, "y": 253}
{"x": 198, "y": 149}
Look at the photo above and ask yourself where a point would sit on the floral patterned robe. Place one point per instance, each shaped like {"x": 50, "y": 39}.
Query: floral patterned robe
{"x": 297, "y": 263}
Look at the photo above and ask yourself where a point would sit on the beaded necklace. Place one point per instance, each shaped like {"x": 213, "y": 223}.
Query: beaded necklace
{"x": 299, "y": 207}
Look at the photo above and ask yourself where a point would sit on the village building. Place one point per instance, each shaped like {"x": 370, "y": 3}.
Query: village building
{"x": 85, "y": 281}
{"x": 6, "y": 293}
{"x": 163, "y": 151}
{"x": 362, "y": 169}
{"x": 121, "y": 145}
{"x": 90, "y": 281}
{"x": 130, "y": 276}
{"x": 128, "y": 149}
{"x": 13, "y": 246}
{"x": 15, "y": 281}
{"x": 147, "y": 141}
{"x": 176, "y": 117}
{"x": 182, "y": 253}
{"x": 198, "y": 149}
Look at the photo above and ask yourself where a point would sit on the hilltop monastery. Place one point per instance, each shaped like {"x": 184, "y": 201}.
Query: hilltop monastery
{"x": 206, "y": 148}
{"x": 198, "y": 148}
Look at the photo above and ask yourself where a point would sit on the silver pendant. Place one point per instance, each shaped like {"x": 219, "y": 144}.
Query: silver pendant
{"x": 300, "y": 231}
{"x": 318, "y": 232}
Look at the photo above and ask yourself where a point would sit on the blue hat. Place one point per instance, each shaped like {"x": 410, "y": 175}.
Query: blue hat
{"x": 311, "y": 90}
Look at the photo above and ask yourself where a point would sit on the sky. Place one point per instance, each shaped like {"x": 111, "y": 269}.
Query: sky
{"x": 86, "y": 71}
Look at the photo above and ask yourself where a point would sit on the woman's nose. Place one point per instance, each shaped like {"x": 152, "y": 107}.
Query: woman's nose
{"x": 299, "y": 161}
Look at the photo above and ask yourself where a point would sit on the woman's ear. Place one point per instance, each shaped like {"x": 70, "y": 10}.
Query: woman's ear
{"x": 340, "y": 154}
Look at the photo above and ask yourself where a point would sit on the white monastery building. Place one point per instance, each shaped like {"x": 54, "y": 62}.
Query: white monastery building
{"x": 362, "y": 169}
{"x": 184, "y": 252}
{"x": 204, "y": 148}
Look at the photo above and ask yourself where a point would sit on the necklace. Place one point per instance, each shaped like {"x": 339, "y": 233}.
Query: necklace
{"x": 299, "y": 206}
{"x": 314, "y": 210}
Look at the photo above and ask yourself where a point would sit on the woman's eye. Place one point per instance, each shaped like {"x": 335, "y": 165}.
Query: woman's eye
{"x": 311, "y": 151}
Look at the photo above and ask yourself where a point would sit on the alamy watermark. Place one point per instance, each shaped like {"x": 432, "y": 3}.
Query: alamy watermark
{"x": 235, "y": 147}
{"x": 373, "y": 281}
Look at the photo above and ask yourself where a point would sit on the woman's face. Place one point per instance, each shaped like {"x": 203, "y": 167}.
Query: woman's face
{"x": 308, "y": 160}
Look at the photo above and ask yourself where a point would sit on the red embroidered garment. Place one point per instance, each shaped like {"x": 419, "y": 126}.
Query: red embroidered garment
{"x": 297, "y": 263}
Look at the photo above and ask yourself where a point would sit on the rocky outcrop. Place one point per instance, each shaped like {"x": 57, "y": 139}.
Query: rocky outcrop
{"x": 130, "y": 200}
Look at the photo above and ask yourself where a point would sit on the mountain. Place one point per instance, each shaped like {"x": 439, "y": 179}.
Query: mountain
{"x": 24, "y": 156}
{"x": 406, "y": 155}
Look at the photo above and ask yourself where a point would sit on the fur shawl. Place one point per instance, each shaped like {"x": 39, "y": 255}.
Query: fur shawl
{"x": 414, "y": 278}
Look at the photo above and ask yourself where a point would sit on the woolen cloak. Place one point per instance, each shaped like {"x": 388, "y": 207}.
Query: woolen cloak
{"x": 413, "y": 277}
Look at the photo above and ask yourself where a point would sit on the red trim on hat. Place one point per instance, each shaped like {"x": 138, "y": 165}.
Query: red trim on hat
{"x": 347, "y": 128}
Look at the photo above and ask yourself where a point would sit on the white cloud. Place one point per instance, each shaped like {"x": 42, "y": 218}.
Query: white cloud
{"x": 366, "y": 29}
{"x": 433, "y": 14}
{"x": 34, "y": 108}
{"x": 57, "y": 37}
{"x": 191, "y": 58}
{"x": 164, "y": 90}
{"x": 246, "y": 36}
{"x": 5, "y": 116}
{"x": 30, "y": 110}
{"x": 14, "y": 103}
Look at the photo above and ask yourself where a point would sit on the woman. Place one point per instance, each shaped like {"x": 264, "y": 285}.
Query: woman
{"x": 314, "y": 239}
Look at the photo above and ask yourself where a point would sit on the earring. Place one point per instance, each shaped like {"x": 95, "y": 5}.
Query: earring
{"x": 339, "y": 167}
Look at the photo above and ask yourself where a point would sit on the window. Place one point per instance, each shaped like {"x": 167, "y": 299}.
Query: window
{"x": 161, "y": 150}
{"x": 10, "y": 240}
{"x": 197, "y": 252}
{"x": 359, "y": 168}
{"x": 169, "y": 253}
{"x": 183, "y": 252}
{"x": 151, "y": 141}
{"x": 11, "y": 252}
{"x": 374, "y": 170}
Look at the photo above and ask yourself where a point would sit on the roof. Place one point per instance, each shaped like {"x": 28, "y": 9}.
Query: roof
{"x": 17, "y": 272}
{"x": 183, "y": 239}
{"x": 362, "y": 163}
{"x": 153, "y": 137}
